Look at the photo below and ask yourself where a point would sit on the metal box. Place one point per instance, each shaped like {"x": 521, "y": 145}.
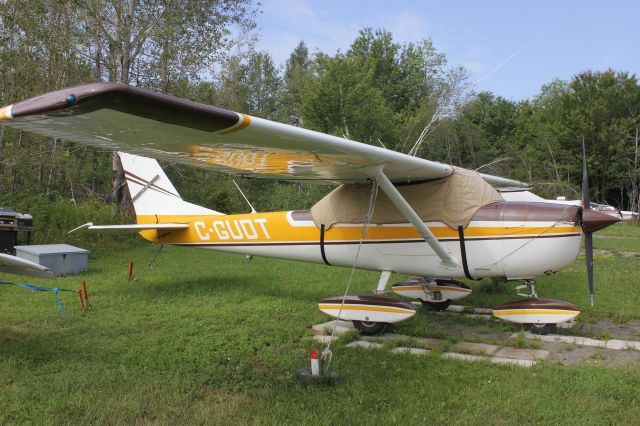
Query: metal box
{"x": 8, "y": 230}
{"x": 61, "y": 259}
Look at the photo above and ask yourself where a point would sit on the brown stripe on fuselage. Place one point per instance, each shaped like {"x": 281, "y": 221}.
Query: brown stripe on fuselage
{"x": 330, "y": 243}
{"x": 522, "y": 211}
{"x": 518, "y": 211}
{"x": 301, "y": 215}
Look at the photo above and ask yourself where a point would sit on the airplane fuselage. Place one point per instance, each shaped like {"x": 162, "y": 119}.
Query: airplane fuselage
{"x": 513, "y": 240}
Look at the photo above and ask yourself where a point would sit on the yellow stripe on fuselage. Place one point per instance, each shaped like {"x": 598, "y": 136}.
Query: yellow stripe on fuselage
{"x": 533, "y": 312}
{"x": 274, "y": 228}
{"x": 368, "y": 308}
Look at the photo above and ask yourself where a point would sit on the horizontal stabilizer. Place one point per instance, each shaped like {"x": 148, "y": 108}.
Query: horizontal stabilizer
{"x": 15, "y": 265}
{"x": 132, "y": 228}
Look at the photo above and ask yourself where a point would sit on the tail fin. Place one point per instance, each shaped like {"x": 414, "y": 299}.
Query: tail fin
{"x": 151, "y": 190}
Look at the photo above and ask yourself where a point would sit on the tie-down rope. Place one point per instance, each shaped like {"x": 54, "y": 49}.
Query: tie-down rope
{"x": 326, "y": 353}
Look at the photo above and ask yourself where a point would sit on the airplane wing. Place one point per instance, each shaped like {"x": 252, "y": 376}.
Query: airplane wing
{"x": 120, "y": 117}
{"x": 15, "y": 265}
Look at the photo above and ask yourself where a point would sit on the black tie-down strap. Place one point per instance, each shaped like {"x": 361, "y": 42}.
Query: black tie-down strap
{"x": 463, "y": 252}
{"x": 324, "y": 256}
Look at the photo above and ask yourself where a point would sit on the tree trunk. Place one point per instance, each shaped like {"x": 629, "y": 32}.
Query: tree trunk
{"x": 117, "y": 185}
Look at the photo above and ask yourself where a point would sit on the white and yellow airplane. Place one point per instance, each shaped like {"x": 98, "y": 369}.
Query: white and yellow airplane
{"x": 421, "y": 217}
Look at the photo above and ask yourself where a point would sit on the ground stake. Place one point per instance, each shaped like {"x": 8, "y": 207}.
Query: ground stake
{"x": 86, "y": 295}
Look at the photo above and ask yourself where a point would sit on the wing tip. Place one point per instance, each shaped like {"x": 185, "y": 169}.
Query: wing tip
{"x": 5, "y": 113}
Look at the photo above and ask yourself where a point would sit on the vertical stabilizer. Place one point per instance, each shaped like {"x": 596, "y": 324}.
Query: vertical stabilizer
{"x": 151, "y": 190}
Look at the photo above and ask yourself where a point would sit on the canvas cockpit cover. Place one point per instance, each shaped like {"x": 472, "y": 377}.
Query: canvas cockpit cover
{"x": 452, "y": 200}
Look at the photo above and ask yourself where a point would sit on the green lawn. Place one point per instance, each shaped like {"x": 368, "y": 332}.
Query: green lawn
{"x": 209, "y": 338}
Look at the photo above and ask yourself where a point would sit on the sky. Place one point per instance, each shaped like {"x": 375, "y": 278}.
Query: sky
{"x": 510, "y": 48}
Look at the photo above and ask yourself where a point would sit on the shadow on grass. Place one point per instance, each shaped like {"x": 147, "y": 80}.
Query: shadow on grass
{"x": 236, "y": 286}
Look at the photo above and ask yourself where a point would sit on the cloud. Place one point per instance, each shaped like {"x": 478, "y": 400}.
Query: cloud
{"x": 290, "y": 21}
{"x": 406, "y": 26}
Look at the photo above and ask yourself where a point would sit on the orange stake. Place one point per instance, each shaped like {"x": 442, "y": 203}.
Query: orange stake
{"x": 81, "y": 299}
{"x": 130, "y": 269}
{"x": 86, "y": 295}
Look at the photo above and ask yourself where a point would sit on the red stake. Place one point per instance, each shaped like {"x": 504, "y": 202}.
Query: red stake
{"x": 81, "y": 300}
{"x": 130, "y": 268}
{"x": 86, "y": 295}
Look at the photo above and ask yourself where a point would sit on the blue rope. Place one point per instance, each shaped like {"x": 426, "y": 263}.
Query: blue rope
{"x": 55, "y": 290}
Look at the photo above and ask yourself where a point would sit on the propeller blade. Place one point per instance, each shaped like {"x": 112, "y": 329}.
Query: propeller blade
{"x": 586, "y": 225}
{"x": 588, "y": 254}
{"x": 586, "y": 201}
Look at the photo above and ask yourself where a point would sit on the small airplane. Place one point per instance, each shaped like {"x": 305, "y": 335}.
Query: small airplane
{"x": 391, "y": 212}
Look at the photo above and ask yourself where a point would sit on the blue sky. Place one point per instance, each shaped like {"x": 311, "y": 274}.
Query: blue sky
{"x": 510, "y": 48}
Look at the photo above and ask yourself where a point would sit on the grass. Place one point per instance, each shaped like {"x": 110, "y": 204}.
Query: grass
{"x": 209, "y": 338}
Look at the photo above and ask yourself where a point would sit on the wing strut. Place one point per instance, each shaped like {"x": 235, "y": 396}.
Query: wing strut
{"x": 447, "y": 261}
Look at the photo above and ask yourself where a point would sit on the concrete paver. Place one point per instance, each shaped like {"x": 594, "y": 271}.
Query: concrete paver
{"x": 364, "y": 344}
{"x": 342, "y": 327}
{"x": 412, "y": 351}
{"x": 527, "y": 354}
{"x": 476, "y": 347}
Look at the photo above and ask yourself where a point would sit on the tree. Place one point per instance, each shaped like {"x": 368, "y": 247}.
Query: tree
{"x": 156, "y": 43}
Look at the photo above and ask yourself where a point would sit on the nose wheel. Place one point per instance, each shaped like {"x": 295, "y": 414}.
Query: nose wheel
{"x": 538, "y": 315}
{"x": 436, "y": 306}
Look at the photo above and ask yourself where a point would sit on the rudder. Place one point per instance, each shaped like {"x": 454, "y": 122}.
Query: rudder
{"x": 151, "y": 190}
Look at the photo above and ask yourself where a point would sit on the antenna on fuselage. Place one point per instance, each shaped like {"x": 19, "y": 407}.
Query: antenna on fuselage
{"x": 253, "y": 211}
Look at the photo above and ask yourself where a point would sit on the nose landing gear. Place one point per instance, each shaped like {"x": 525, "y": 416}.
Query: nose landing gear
{"x": 538, "y": 315}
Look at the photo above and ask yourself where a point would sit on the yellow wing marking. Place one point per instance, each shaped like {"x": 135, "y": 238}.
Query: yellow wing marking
{"x": 246, "y": 120}
{"x": 4, "y": 113}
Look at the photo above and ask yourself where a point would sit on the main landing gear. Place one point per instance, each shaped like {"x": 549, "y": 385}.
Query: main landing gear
{"x": 538, "y": 315}
{"x": 370, "y": 313}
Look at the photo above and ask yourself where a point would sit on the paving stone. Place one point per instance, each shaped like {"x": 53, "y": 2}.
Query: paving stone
{"x": 513, "y": 353}
{"x": 321, "y": 338}
{"x": 342, "y": 327}
{"x": 412, "y": 351}
{"x": 478, "y": 316}
{"x": 456, "y": 308}
{"x": 386, "y": 336}
{"x": 476, "y": 347}
{"x": 428, "y": 342}
{"x": 483, "y": 311}
{"x": 623, "y": 344}
{"x": 575, "y": 340}
{"x": 568, "y": 324}
{"x": 364, "y": 344}
{"x": 464, "y": 357}
{"x": 511, "y": 361}
{"x": 496, "y": 360}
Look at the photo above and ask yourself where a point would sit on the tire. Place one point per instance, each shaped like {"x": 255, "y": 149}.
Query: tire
{"x": 370, "y": 328}
{"x": 542, "y": 329}
{"x": 436, "y": 306}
